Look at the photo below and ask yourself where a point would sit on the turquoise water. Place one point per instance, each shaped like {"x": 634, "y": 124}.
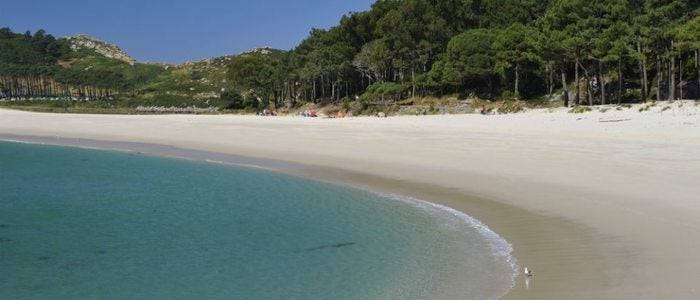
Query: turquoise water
{"x": 88, "y": 224}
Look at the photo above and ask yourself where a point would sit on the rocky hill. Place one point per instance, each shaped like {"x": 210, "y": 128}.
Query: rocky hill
{"x": 38, "y": 67}
{"x": 261, "y": 50}
{"x": 82, "y": 41}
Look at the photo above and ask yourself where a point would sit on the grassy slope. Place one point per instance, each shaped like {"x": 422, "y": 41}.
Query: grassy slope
{"x": 193, "y": 84}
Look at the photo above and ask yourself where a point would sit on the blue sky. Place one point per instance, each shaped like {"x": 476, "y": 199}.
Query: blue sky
{"x": 178, "y": 30}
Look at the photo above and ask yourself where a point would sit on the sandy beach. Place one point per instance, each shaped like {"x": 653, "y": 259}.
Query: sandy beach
{"x": 600, "y": 205}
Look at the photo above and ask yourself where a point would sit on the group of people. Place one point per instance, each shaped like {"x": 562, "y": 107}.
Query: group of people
{"x": 309, "y": 113}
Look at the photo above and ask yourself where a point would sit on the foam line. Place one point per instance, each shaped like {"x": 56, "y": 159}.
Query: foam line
{"x": 499, "y": 246}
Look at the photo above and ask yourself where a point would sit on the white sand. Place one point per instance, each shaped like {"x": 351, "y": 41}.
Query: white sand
{"x": 629, "y": 184}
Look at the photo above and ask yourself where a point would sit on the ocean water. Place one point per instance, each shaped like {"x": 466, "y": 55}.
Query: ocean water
{"x": 89, "y": 224}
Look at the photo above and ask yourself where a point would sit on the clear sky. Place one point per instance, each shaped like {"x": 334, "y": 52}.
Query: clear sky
{"x": 180, "y": 30}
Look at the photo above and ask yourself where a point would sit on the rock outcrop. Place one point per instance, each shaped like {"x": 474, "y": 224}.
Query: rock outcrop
{"x": 260, "y": 50}
{"x": 82, "y": 41}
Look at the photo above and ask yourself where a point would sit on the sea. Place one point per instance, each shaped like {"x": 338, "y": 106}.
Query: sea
{"x": 80, "y": 223}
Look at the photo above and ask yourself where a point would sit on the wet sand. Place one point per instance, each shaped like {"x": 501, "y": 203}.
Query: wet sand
{"x": 596, "y": 209}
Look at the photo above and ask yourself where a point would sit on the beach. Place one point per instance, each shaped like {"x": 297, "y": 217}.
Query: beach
{"x": 598, "y": 204}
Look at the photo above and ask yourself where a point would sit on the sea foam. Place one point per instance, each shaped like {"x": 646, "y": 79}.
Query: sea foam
{"x": 455, "y": 219}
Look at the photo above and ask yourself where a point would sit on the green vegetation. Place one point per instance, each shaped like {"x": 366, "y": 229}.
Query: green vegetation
{"x": 70, "y": 106}
{"x": 522, "y": 53}
{"x": 577, "y": 51}
{"x": 579, "y": 109}
{"x": 41, "y": 66}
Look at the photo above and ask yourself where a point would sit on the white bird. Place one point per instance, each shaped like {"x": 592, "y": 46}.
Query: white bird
{"x": 528, "y": 272}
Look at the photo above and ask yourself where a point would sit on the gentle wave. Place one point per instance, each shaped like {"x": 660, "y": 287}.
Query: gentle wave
{"x": 500, "y": 247}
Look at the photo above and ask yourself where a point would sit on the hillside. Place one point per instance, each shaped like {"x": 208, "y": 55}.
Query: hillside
{"x": 59, "y": 72}
{"x": 81, "y": 41}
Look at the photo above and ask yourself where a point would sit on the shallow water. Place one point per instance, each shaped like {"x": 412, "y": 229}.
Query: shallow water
{"x": 79, "y": 223}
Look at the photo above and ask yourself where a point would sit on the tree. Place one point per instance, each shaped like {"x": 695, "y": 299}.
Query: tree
{"x": 517, "y": 46}
{"x": 232, "y": 100}
{"x": 372, "y": 60}
{"x": 257, "y": 73}
{"x": 660, "y": 17}
{"x": 688, "y": 37}
{"x": 566, "y": 19}
{"x": 421, "y": 47}
{"x": 615, "y": 42}
{"x": 470, "y": 58}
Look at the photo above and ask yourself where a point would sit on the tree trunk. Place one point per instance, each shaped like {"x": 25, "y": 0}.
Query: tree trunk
{"x": 645, "y": 80}
{"x": 548, "y": 82}
{"x": 333, "y": 91}
{"x": 313, "y": 96}
{"x": 413, "y": 80}
{"x": 550, "y": 72}
{"x": 517, "y": 77}
{"x": 672, "y": 77}
{"x": 659, "y": 78}
{"x": 697, "y": 65}
{"x": 601, "y": 82}
{"x": 563, "y": 86}
{"x": 589, "y": 94}
{"x": 576, "y": 81}
{"x": 680, "y": 76}
{"x": 620, "y": 83}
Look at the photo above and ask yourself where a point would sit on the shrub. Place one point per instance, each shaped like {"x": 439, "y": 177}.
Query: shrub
{"x": 384, "y": 91}
{"x": 507, "y": 95}
{"x": 580, "y": 109}
{"x": 511, "y": 107}
{"x": 232, "y": 100}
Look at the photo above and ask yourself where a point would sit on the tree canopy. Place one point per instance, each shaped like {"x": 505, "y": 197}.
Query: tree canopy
{"x": 604, "y": 49}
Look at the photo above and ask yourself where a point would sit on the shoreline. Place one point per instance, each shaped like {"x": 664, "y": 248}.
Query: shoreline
{"x": 501, "y": 248}
{"x": 611, "y": 235}
{"x": 383, "y": 187}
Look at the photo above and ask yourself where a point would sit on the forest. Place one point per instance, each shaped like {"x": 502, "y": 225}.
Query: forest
{"x": 41, "y": 66}
{"x": 586, "y": 51}
{"x": 580, "y": 52}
